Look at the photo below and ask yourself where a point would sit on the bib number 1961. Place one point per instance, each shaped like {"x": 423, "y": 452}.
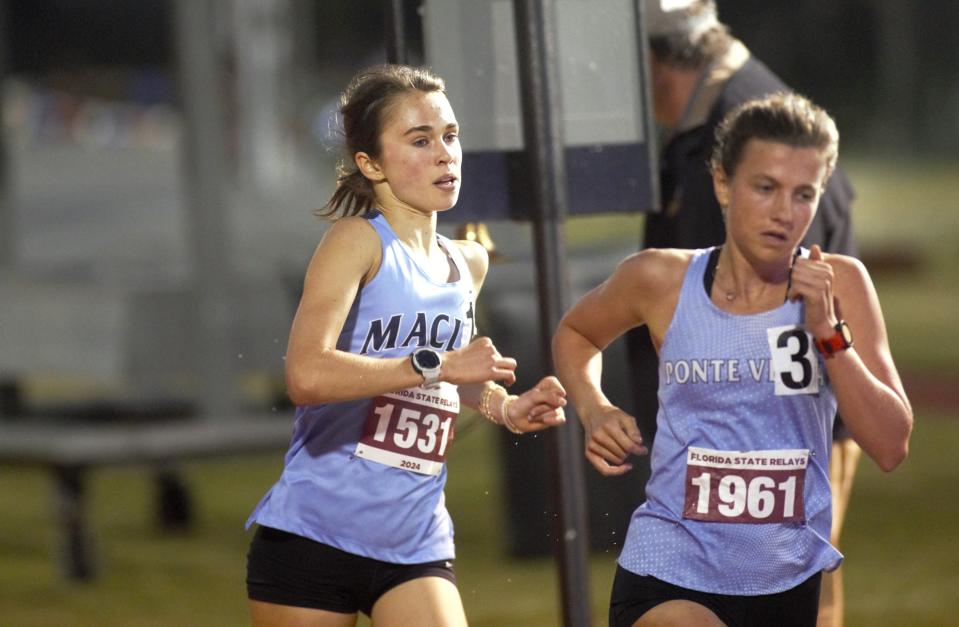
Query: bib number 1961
{"x": 745, "y": 487}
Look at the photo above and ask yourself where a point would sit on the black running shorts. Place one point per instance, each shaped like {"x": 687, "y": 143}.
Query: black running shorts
{"x": 634, "y": 595}
{"x": 288, "y": 569}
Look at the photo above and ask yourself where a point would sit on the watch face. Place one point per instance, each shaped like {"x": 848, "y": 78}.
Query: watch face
{"x": 426, "y": 358}
{"x": 846, "y": 333}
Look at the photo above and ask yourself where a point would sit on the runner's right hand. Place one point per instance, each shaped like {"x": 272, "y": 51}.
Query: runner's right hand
{"x": 477, "y": 362}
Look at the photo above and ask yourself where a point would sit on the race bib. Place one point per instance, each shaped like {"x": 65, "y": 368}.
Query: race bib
{"x": 745, "y": 487}
{"x": 411, "y": 429}
{"x": 795, "y": 365}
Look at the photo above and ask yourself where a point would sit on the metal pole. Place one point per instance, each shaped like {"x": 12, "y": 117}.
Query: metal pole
{"x": 204, "y": 155}
{"x": 396, "y": 50}
{"x": 263, "y": 52}
{"x": 543, "y": 135}
{"x": 645, "y": 115}
{"x": 7, "y": 212}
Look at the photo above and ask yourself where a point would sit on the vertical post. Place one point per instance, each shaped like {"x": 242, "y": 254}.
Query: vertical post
{"x": 204, "y": 155}
{"x": 543, "y": 135}
{"x": 404, "y": 32}
{"x": 7, "y": 214}
{"x": 396, "y": 50}
{"x": 10, "y": 393}
{"x": 646, "y": 94}
{"x": 263, "y": 52}
{"x": 76, "y": 546}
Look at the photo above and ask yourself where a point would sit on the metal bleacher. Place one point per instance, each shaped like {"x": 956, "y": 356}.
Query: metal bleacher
{"x": 99, "y": 340}
{"x": 140, "y": 342}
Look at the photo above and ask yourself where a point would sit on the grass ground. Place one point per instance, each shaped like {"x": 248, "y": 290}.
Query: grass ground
{"x": 902, "y": 563}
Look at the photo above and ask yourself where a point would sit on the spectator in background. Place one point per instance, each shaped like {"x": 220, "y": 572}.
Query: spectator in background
{"x": 700, "y": 73}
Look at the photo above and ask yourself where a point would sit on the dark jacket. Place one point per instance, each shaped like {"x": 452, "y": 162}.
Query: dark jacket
{"x": 691, "y": 217}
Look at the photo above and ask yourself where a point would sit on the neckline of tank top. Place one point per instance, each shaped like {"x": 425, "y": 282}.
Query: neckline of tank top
{"x": 443, "y": 243}
{"x": 709, "y": 275}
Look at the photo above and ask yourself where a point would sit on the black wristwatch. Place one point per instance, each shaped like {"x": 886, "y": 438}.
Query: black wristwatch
{"x": 837, "y": 342}
{"x": 426, "y": 361}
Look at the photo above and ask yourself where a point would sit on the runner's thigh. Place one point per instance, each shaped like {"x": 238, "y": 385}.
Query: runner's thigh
{"x": 426, "y": 601}
{"x": 679, "y": 613}
{"x": 273, "y": 615}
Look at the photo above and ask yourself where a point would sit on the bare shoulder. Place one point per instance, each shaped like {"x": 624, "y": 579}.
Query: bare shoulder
{"x": 656, "y": 269}
{"x": 642, "y": 290}
{"x": 354, "y": 229}
{"x": 477, "y": 258}
{"x": 851, "y": 273}
{"x": 354, "y": 234}
{"x": 845, "y": 263}
{"x": 351, "y": 245}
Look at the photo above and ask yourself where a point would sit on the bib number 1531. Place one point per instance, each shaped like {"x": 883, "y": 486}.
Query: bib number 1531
{"x": 411, "y": 430}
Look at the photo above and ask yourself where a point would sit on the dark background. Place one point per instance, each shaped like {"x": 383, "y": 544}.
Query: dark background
{"x": 888, "y": 69}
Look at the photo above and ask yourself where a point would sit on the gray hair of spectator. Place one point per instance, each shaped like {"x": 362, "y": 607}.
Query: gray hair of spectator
{"x": 365, "y": 106}
{"x": 687, "y": 34}
{"x": 786, "y": 118}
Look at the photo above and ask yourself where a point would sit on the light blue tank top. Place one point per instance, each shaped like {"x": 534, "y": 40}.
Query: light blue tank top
{"x": 738, "y": 501}
{"x": 367, "y": 476}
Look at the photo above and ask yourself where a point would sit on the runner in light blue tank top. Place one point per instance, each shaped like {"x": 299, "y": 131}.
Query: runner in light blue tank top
{"x": 400, "y": 310}
{"x": 740, "y": 468}
{"x": 382, "y": 355}
{"x": 756, "y": 351}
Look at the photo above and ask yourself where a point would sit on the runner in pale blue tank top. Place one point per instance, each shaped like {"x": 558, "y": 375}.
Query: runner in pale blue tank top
{"x": 756, "y": 350}
{"x": 381, "y": 356}
{"x": 336, "y": 447}
{"x": 741, "y": 466}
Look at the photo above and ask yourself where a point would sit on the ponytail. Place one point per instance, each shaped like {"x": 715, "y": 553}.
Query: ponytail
{"x": 353, "y": 196}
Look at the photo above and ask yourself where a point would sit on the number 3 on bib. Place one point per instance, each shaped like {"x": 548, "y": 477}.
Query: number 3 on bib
{"x": 795, "y": 362}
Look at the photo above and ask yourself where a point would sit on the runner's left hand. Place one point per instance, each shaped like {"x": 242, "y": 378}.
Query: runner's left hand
{"x": 540, "y": 407}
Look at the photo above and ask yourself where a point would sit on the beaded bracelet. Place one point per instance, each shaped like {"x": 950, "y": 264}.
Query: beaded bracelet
{"x": 484, "y": 407}
{"x": 504, "y": 410}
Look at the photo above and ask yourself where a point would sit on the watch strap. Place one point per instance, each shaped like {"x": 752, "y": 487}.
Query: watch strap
{"x": 836, "y": 343}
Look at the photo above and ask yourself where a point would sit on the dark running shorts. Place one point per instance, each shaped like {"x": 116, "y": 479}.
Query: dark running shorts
{"x": 634, "y": 595}
{"x": 288, "y": 569}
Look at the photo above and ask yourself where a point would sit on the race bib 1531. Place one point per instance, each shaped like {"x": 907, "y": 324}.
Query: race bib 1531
{"x": 411, "y": 429}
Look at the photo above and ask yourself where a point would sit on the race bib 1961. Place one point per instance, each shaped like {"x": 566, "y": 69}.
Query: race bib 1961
{"x": 745, "y": 487}
{"x": 411, "y": 429}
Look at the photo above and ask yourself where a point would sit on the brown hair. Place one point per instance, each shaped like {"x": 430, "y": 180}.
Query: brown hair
{"x": 364, "y": 106}
{"x": 782, "y": 117}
